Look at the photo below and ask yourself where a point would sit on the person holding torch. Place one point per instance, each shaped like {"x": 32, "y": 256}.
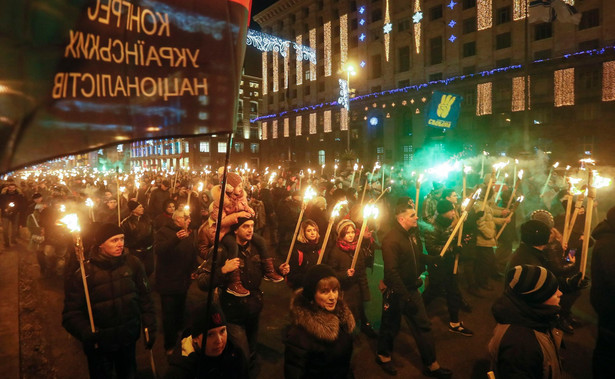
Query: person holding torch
{"x": 121, "y": 305}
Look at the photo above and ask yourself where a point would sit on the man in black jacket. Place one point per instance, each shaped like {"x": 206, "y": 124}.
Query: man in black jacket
{"x": 403, "y": 264}
{"x": 139, "y": 235}
{"x": 12, "y": 204}
{"x": 121, "y": 304}
{"x": 157, "y": 198}
{"x": 176, "y": 249}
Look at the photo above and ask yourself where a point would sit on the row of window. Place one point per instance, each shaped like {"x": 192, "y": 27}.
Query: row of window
{"x": 204, "y": 147}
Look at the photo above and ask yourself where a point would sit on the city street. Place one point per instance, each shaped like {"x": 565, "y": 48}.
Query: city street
{"x": 48, "y": 351}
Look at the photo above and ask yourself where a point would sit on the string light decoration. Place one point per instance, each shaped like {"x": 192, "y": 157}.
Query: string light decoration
{"x": 344, "y": 39}
{"x": 328, "y": 121}
{"x": 274, "y": 129}
{"x": 362, "y": 29}
{"x": 286, "y": 66}
{"x": 608, "y": 81}
{"x": 327, "y": 33}
{"x": 266, "y": 42}
{"x": 483, "y": 98}
{"x": 452, "y": 23}
{"x": 313, "y": 46}
{"x": 276, "y": 73}
{"x": 312, "y": 123}
{"x": 343, "y": 119}
{"x": 484, "y": 12}
{"x": 386, "y": 29}
{"x": 564, "y": 87}
{"x": 518, "y": 94}
{"x": 299, "y": 62}
{"x": 344, "y": 99}
{"x": 264, "y": 130}
{"x": 298, "y": 125}
{"x": 519, "y": 9}
{"x": 416, "y": 19}
{"x": 265, "y": 73}
{"x": 286, "y": 127}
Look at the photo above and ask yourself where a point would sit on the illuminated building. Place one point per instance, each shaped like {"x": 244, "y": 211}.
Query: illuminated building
{"x": 473, "y": 48}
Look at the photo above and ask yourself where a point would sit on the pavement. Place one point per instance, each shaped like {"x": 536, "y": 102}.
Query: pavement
{"x": 9, "y": 314}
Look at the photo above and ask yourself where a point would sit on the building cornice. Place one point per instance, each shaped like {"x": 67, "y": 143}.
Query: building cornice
{"x": 275, "y": 10}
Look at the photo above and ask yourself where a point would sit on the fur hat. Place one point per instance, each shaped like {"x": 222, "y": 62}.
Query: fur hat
{"x": 204, "y": 322}
{"x": 132, "y": 205}
{"x": 535, "y": 233}
{"x": 344, "y": 223}
{"x": 106, "y": 231}
{"x": 543, "y": 215}
{"x": 533, "y": 284}
{"x": 313, "y": 276}
{"x": 444, "y": 206}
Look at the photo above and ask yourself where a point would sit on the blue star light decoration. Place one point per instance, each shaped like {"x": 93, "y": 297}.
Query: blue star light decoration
{"x": 362, "y": 10}
{"x": 452, "y": 38}
{"x": 362, "y": 22}
{"x": 362, "y": 64}
{"x": 387, "y": 28}
{"x": 362, "y": 37}
{"x": 417, "y": 17}
{"x": 452, "y": 24}
{"x": 452, "y": 4}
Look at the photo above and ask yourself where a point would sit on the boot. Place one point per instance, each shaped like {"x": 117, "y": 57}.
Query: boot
{"x": 270, "y": 273}
{"x": 235, "y": 287}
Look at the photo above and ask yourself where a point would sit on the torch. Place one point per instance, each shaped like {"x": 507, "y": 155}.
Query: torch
{"x": 370, "y": 210}
{"x": 516, "y": 187}
{"x": 577, "y": 208}
{"x": 334, "y": 170}
{"x": 568, "y": 209}
{"x": 334, "y": 214}
{"x": 322, "y": 170}
{"x": 544, "y": 188}
{"x": 354, "y": 171}
{"x": 119, "y": 192}
{"x": 512, "y": 212}
{"x": 309, "y": 195}
{"x": 487, "y": 190}
{"x": 465, "y": 206}
{"x": 151, "y": 353}
{"x": 591, "y": 195}
{"x": 72, "y": 223}
{"x": 466, "y": 171}
{"x": 90, "y": 204}
{"x": 418, "y": 191}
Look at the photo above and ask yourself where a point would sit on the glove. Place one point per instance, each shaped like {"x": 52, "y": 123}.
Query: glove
{"x": 152, "y": 339}
{"x": 576, "y": 283}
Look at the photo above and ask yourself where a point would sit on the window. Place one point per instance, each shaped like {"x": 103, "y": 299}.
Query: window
{"x": 403, "y": 56}
{"x": 435, "y": 13}
{"x": 436, "y": 76}
{"x": 403, "y": 24}
{"x": 253, "y": 107}
{"x": 503, "y": 40}
{"x": 469, "y": 49}
{"x": 435, "y": 49}
{"x": 467, "y": 4}
{"x": 590, "y": 19}
{"x": 376, "y": 15}
{"x": 469, "y": 25}
{"x": 354, "y": 24}
{"x": 238, "y": 147}
{"x": 376, "y": 65}
{"x": 543, "y": 31}
{"x": 221, "y": 147}
{"x": 589, "y": 45}
{"x": 321, "y": 157}
{"x": 589, "y": 79}
{"x": 502, "y": 15}
{"x": 407, "y": 149}
{"x": 254, "y": 148}
{"x": 542, "y": 54}
{"x": 240, "y": 107}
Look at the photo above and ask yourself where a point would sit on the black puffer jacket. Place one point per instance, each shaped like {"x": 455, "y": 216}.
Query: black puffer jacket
{"x": 304, "y": 256}
{"x": 138, "y": 232}
{"x": 603, "y": 275}
{"x": 436, "y": 238}
{"x": 355, "y": 287}
{"x": 156, "y": 201}
{"x": 120, "y": 298}
{"x": 176, "y": 260}
{"x": 318, "y": 343}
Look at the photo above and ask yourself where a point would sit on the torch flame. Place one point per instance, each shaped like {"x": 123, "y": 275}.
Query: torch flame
{"x": 420, "y": 179}
{"x": 355, "y": 167}
{"x": 200, "y": 186}
{"x": 556, "y": 165}
{"x": 520, "y": 199}
{"x": 72, "y": 222}
{"x": 465, "y": 203}
{"x": 309, "y": 194}
{"x": 477, "y": 194}
{"x": 370, "y": 210}
{"x": 520, "y": 174}
{"x": 89, "y": 203}
{"x": 467, "y": 169}
{"x": 567, "y": 167}
{"x": 11, "y": 204}
{"x": 600, "y": 181}
{"x": 336, "y": 210}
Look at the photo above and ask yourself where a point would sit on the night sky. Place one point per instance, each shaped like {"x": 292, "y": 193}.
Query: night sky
{"x": 258, "y": 6}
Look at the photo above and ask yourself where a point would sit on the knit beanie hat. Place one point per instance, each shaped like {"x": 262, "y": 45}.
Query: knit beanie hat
{"x": 444, "y": 206}
{"x": 313, "y": 276}
{"x": 344, "y": 223}
{"x": 240, "y": 221}
{"x": 532, "y": 284}
{"x": 535, "y": 233}
{"x": 204, "y": 322}
{"x": 106, "y": 231}
{"x": 232, "y": 181}
{"x": 543, "y": 215}
{"x": 132, "y": 205}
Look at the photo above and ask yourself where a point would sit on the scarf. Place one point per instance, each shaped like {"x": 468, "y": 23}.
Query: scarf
{"x": 345, "y": 246}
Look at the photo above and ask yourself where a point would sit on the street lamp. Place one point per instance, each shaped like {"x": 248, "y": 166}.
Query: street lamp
{"x": 349, "y": 70}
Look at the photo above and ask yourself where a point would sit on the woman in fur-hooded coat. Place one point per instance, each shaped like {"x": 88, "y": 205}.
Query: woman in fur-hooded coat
{"x": 319, "y": 341}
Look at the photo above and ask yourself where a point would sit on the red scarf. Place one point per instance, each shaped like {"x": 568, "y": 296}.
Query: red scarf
{"x": 345, "y": 246}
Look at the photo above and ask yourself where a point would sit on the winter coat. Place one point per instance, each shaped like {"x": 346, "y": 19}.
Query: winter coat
{"x": 304, "y": 256}
{"x": 525, "y": 343}
{"x": 355, "y": 288}
{"x": 430, "y": 204}
{"x": 156, "y": 201}
{"x": 528, "y": 255}
{"x": 230, "y": 209}
{"x": 318, "y": 343}
{"x": 163, "y": 219}
{"x": 603, "y": 275}
{"x": 16, "y": 198}
{"x": 187, "y": 363}
{"x": 120, "y": 298}
{"x": 404, "y": 261}
{"x": 176, "y": 260}
{"x": 138, "y": 232}
{"x": 436, "y": 238}
{"x": 260, "y": 215}
{"x": 486, "y": 225}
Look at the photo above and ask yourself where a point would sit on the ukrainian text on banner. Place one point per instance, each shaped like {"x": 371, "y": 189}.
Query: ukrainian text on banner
{"x": 80, "y": 75}
{"x": 443, "y": 110}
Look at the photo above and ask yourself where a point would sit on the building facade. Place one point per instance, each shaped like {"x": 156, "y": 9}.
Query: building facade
{"x": 486, "y": 51}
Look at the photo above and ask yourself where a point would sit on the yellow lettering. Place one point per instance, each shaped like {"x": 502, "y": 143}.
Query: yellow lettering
{"x": 58, "y": 79}
{"x": 148, "y": 90}
{"x": 92, "y": 16}
{"x": 193, "y": 58}
{"x": 145, "y": 14}
{"x": 164, "y": 24}
{"x": 88, "y": 76}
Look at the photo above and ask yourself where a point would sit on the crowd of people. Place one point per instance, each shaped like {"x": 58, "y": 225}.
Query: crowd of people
{"x": 151, "y": 230}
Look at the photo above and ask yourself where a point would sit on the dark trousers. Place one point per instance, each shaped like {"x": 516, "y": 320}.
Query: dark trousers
{"x": 484, "y": 265}
{"x": 10, "y": 229}
{"x": 393, "y": 307}
{"x": 102, "y": 364}
{"x": 245, "y": 336}
{"x": 173, "y": 307}
{"x": 603, "y": 362}
{"x": 443, "y": 281}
